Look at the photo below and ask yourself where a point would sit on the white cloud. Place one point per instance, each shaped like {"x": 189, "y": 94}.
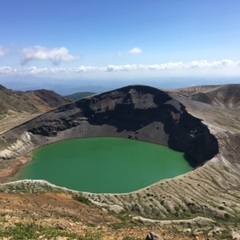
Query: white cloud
{"x": 166, "y": 66}
{"x": 55, "y": 55}
{"x": 196, "y": 67}
{"x": 35, "y": 70}
{"x": 117, "y": 68}
{"x": 88, "y": 69}
{"x": 214, "y": 64}
{"x": 135, "y": 50}
{"x": 7, "y": 70}
{"x": 3, "y": 51}
{"x": 197, "y": 64}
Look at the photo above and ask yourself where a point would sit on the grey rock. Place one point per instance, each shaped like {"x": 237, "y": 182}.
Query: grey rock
{"x": 153, "y": 236}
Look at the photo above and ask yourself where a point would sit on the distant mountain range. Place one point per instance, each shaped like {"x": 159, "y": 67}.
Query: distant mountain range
{"x": 71, "y": 86}
{"x": 78, "y": 96}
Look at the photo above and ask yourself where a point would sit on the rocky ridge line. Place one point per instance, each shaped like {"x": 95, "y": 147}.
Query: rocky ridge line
{"x": 136, "y": 112}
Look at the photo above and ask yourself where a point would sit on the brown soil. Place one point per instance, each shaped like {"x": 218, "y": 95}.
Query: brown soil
{"x": 63, "y": 212}
{"x": 19, "y": 107}
{"x": 9, "y": 168}
{"x": 13, "y": 119}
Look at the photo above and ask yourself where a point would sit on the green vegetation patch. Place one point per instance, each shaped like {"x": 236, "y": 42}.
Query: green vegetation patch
{"x": 32, "y": 231}
{"x": 80, "y": 198}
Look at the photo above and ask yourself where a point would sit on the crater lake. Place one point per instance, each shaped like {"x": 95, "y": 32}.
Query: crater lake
{"x": 104, "y": 164}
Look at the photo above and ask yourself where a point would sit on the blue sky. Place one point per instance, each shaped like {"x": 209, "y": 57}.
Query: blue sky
{"x": 119, "y": 39}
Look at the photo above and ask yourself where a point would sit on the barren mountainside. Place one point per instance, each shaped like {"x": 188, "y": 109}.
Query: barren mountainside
{"x": 137, "y": 112}
{"x": 30, "y": 101}
{"x": 18, "y": 107}
{"x": 220, "y": 95}
{"x": 203, "y": 122}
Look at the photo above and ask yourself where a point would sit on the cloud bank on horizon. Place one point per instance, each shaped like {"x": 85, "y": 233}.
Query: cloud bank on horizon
{"x": 119, "y": 39}
{"x": 226, "y": 66}
{"x": 57, "y": 56}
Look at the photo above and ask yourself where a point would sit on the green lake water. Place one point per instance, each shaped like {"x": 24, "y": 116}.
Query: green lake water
{"x": 104, "y": 165}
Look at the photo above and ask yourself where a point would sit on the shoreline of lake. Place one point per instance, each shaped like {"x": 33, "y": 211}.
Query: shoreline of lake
{"x": 12, "y": 167}
{"x": 126, "y": 165}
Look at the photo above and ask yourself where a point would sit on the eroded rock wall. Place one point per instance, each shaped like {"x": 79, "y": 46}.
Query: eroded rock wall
{"x": 137, "y": 112}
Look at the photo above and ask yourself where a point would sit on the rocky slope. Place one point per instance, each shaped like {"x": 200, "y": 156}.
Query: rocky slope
{"x": 220, "y": 95}
{"x": 137, "y": 112}
{"x": 18, "y": 107}
{"x": 60, "y": 216}
{"x": 206, "y": 132}
{"x": 30, "y": 101}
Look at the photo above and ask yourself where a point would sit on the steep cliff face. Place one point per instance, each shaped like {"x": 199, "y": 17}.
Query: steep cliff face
{"x": 137, "y": 112}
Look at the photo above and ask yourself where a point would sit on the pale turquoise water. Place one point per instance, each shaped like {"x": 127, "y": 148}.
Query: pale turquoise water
{"x": 104, "y": 165}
